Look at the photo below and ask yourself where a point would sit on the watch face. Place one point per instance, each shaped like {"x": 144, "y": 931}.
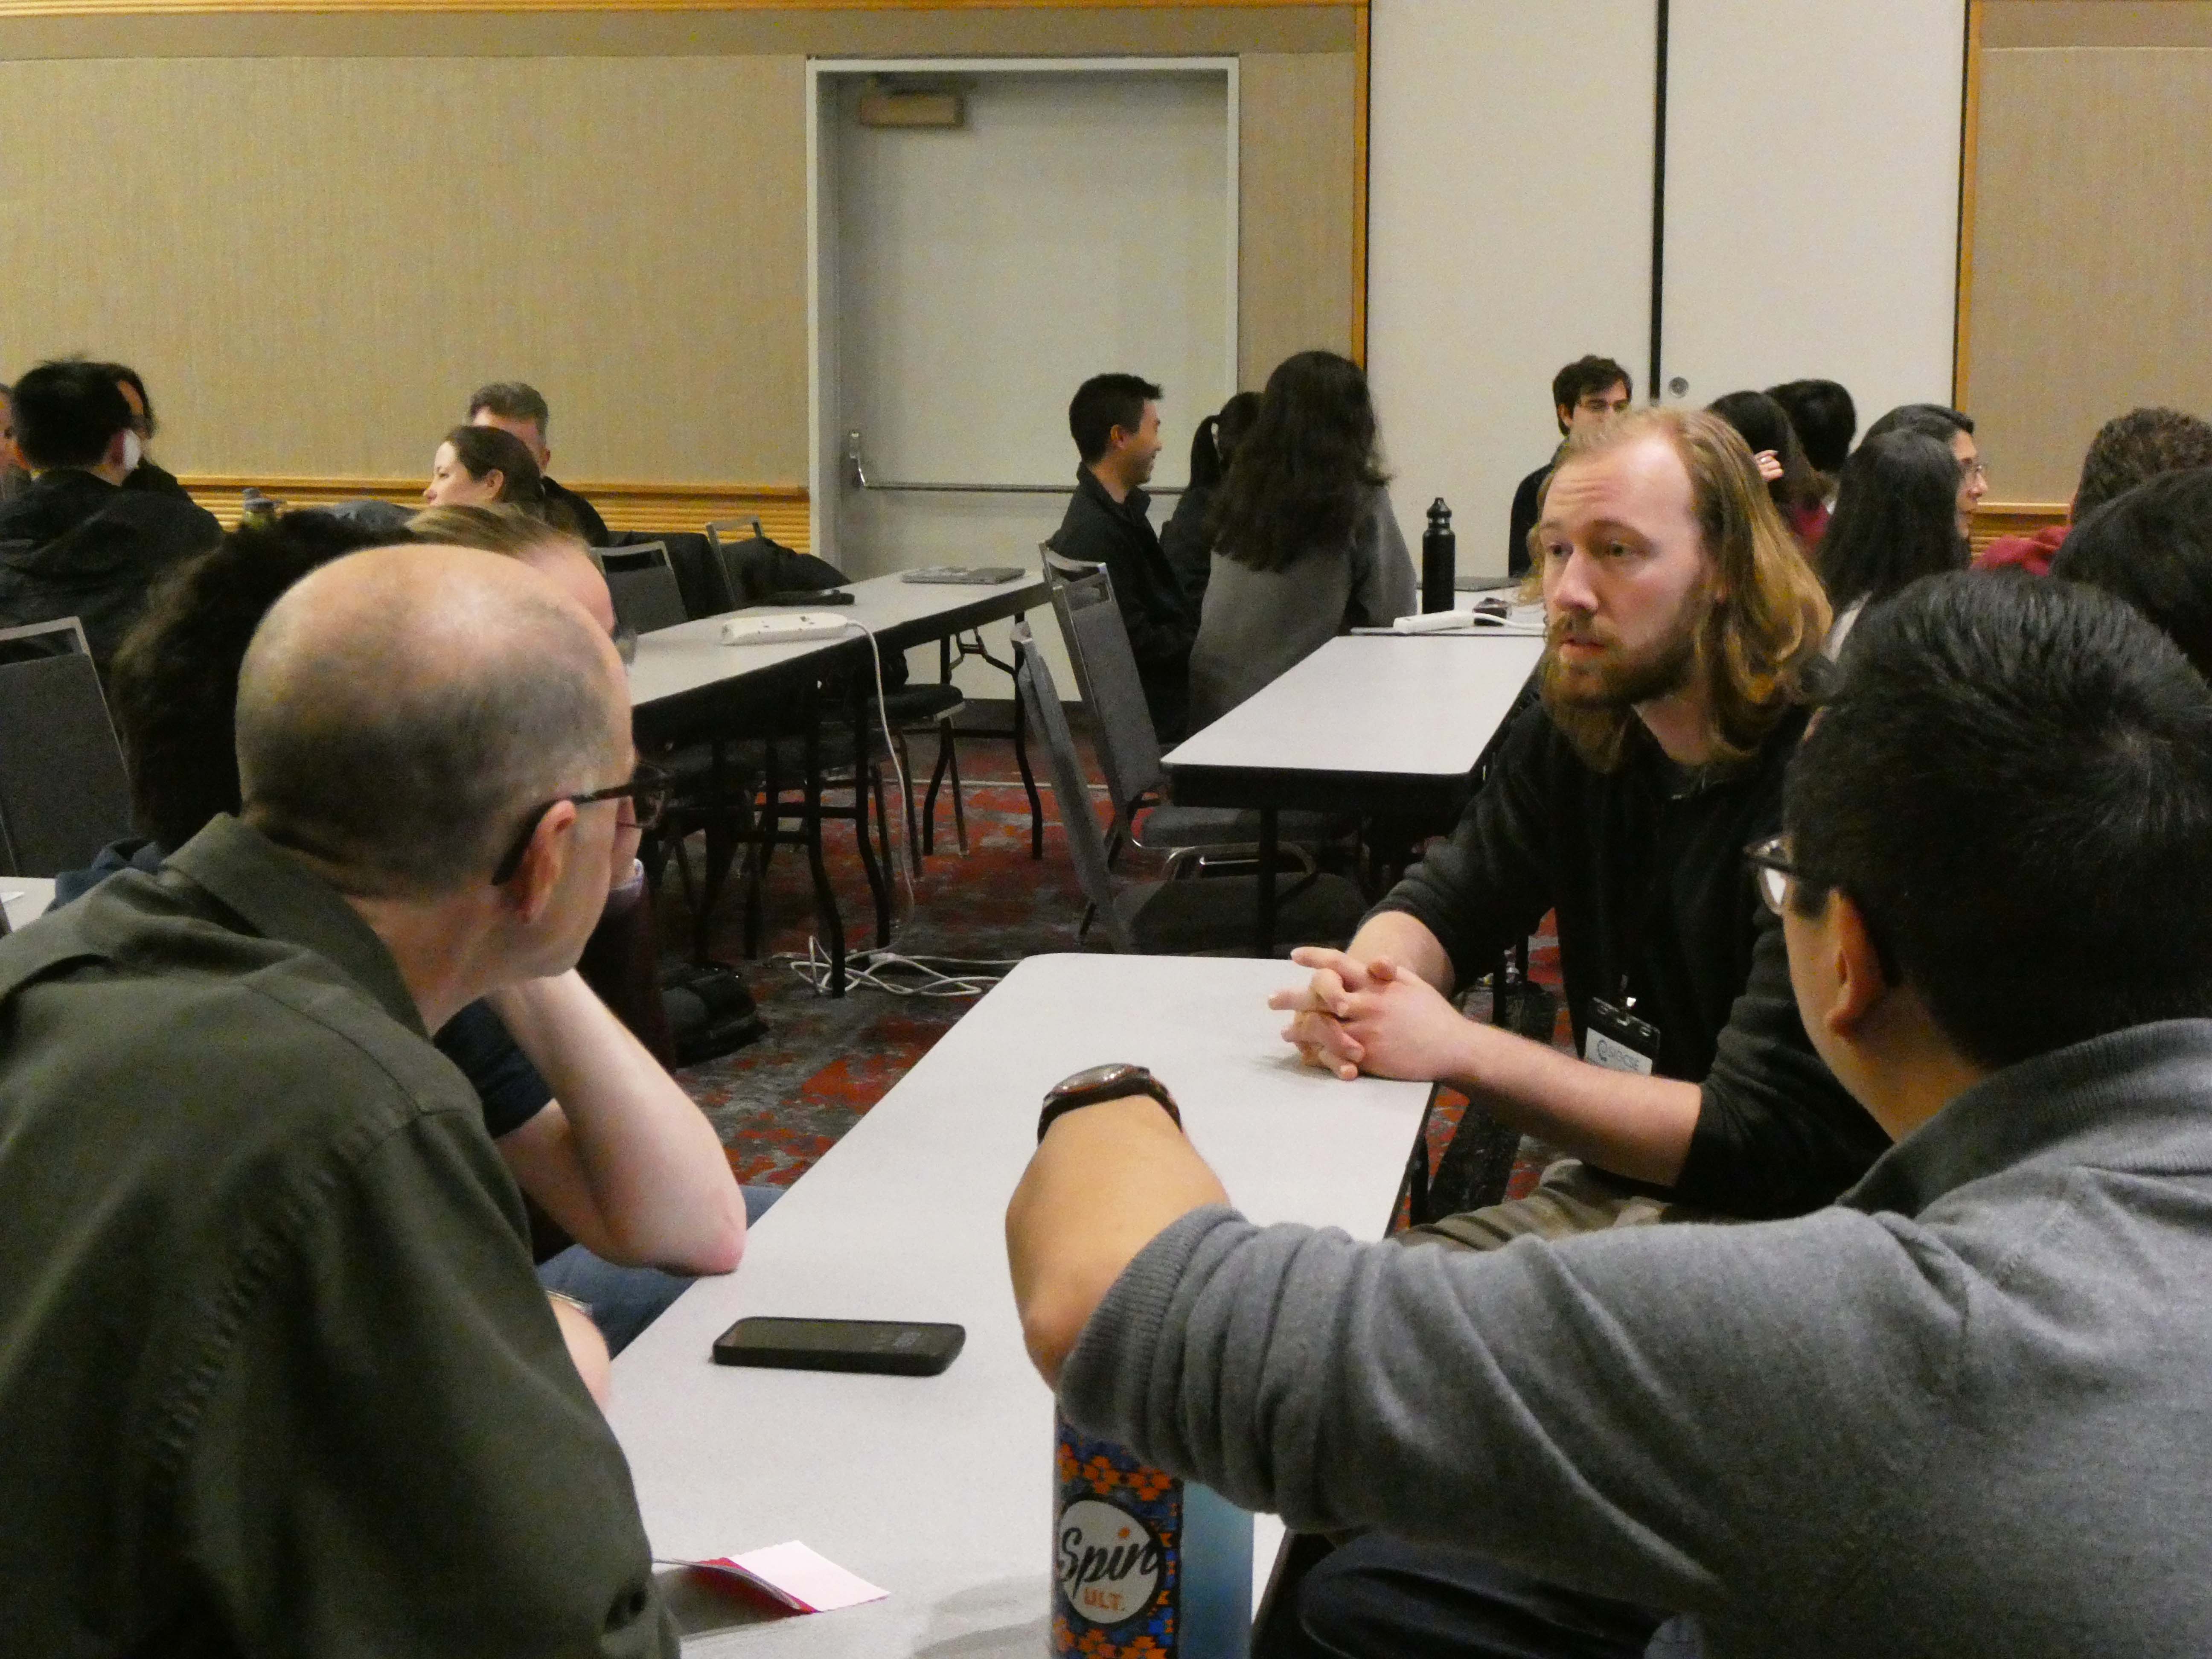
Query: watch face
{"x": 1097, "y": 1077}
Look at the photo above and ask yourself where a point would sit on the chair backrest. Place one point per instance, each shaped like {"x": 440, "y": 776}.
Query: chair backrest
{"x": 1056, "y": 561}
{"x": 642, "y": 584}
{"x": 1086, "y": 842}
{"x": 35, "y": 641}
{"x": 63, "y": 792}
{"x": 1106, "y": 672}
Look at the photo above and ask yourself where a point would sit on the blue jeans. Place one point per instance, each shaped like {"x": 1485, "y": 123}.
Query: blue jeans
{"x": 623, "y": 1301}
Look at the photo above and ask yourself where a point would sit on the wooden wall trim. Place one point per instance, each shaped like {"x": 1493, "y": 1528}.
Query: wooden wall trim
{"x": 1995, "y": 519}
{"x": 782, "y": 508}
{"x": 1361, "y": 77}
{"x": 204, "y": 8}
{"x": 1970, "y": 138}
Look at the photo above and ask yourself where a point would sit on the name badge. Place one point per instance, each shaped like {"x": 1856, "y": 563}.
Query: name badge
{"x": 1618, "y": 1040}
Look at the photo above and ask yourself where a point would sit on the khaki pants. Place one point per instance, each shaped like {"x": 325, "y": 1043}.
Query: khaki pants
{"x": 1572, "y": 1198}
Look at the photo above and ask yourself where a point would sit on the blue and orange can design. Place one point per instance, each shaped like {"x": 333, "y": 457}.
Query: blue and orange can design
{"x": 1117, "y": 1549}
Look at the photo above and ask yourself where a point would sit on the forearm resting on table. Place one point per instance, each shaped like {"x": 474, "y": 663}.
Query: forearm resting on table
{"x": 623, "y": 1160}
{"x": 1107, "y": 1180}
{"x": 1405, "y": 940}
{"x": 1633, "y": 1126}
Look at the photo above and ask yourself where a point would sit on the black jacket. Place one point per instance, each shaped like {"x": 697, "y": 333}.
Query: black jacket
{"x": 1528, "y": 505}
{"x": 1161, "y": 623}
{"x": 1644, "y": 866}
{"x": 589, "y": 524}
{"x": 76, "y": 545}
{"x": 151, "y": 478}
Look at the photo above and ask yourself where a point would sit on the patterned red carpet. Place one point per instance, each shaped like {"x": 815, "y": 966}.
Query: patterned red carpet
{"x": 782, "y": 1103}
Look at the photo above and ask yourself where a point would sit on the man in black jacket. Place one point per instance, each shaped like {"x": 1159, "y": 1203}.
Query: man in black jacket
{"x": 76, "y": 543}
{"x": 1586, "y": 391}
{"x": 1115, "y": 422}
{"x": 521, "y": 411}
{"x": 1683, "y": 627}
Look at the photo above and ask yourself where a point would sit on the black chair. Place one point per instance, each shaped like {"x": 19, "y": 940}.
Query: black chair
{"x": 642, "y": 583}
{"x": 1175, "y": 917}
{"x": 1129, "y": 748}
{"x": 63, "y": 792}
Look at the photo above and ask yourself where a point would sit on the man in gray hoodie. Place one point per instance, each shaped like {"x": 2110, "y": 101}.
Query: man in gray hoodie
{"x": 1959, "y": 1410}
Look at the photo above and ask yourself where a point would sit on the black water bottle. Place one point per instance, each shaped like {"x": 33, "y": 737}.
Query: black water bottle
{"x": 1439, "y": 552}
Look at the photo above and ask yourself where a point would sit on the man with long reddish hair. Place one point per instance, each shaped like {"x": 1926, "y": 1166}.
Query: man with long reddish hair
{"x": 1684, "y": 624}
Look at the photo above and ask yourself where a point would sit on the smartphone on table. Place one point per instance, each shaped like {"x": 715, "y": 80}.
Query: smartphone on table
{"x": 894, "y": 1347}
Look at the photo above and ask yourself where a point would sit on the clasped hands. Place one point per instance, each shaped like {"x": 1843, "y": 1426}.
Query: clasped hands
{"x": 1376, "y": 1016}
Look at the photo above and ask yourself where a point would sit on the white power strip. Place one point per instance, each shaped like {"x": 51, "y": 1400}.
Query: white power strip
{"x": 785, "y": 629}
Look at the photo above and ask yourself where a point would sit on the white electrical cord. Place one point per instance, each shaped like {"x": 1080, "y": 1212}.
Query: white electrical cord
{"x": 933, "y": 976}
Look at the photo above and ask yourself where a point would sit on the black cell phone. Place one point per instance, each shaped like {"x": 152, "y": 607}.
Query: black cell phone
{"x": 804, "y": 597}
{"x": 889, "y": 1345}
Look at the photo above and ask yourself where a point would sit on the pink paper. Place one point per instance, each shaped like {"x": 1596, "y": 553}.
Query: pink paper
{"x": 798, "y": 1577}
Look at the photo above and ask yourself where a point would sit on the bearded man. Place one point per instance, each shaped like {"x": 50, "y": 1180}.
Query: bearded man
{"x": 1685, "y": 628}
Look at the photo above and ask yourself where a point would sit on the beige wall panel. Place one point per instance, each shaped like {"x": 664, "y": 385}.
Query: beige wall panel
{"x": 2092, "y": 234}
{"x": 313, "y": 261}
{"x": 1015, "y": 31}
{"x": 1295, "y": 208}
{"x": 2096, "y": 23}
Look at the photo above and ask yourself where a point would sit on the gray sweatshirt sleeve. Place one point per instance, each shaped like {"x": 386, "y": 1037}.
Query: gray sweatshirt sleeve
{"x": 1383, "y": 571}
{"x": 1641, "y": 1414}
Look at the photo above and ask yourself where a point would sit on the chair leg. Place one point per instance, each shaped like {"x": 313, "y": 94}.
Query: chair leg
{"x": 913, "y": 839}
{"x": 945, "y": 761}
{"x": 953, "y": 770}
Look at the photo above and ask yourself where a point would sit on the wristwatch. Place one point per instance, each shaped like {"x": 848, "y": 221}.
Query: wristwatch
{"x": 1098, "y": 1083}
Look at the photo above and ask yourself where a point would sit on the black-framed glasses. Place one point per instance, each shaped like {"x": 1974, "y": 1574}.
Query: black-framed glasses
{"x": 1772, "y": 870}
{"x": 646, "y": 792}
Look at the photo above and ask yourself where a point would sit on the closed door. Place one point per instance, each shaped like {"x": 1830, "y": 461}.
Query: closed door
{"x": 969, "y": 277}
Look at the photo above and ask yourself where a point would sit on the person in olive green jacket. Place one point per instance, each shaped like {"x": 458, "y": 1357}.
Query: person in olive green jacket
{"x": 277, "y": 1376}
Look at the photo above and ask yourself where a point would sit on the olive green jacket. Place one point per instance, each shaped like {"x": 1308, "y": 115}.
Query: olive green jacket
{"x": 275, "y": 1373}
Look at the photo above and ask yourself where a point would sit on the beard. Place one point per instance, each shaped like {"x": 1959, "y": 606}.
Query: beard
{"x": 1590, "y": 701}
{"x": 1618, "y": 679}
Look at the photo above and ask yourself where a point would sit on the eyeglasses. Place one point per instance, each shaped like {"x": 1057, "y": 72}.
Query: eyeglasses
{"x": 1772, "y": 870}
{"x": 646, "y": 792}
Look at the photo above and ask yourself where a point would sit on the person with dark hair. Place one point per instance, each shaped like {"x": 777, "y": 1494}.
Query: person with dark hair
{"x": 2127, "y": 450}
{"x": 481, "y": 466}
{"x": 1306, "y": 543}
{"x": 1115, "y": 420}
{"x": 515, "y": 407}
{"x": 1825, "y": 418}
{"x": 1959, "y": 1412}
{"x": 149, "y": 474}
{"x": 2152, "y": 547}
{"x": 1797, "y": 488}
{"x": 1187, "y": 538}
{"x": 76, "y": 543}
{"x": 622, "y": 1125}
{"x": 282, "y": 1281}
{"x": 1587, "y": 391}
{"x": 1896, "y": 521}
{"x": 1955, "y": 428}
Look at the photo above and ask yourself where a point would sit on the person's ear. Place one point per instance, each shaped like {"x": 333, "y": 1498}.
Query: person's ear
{"x": 118, "y": 449}
{"x": 497, "y": 480}
{"x": 1861, "y": 985}
{"x": 1566, "y": 415}
{"x": 531, "y": 889}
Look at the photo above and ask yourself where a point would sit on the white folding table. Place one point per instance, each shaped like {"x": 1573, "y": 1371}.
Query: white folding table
{"x": 683, "y": 679}
{"x": 27, "y": 897}
{"x": 940, "y": 1489}
{"x": 1368, "y": 724}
